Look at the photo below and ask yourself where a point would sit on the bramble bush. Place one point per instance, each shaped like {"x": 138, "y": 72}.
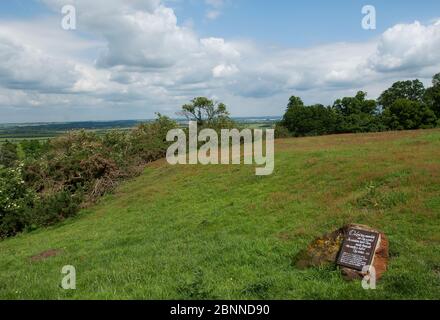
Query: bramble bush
{"x": 55, "y": 180}
{"x": 148, "y": 141}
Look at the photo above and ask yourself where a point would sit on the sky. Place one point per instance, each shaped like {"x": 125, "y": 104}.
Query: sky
{"x": 128, "y": 59}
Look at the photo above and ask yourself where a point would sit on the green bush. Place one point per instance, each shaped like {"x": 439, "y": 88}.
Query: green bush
{"x": 21, "y": 208}
{"x": 148, "y": 141}
{"x": 32, "y": 149}
{"x": 8, "y": 154}
{"x": 54, "y": 208}
{"x": 74, "y": 161}
{"x": 60, "y": 176}
{"x": 281, "y": 131}
{"x": 15, "y": 200}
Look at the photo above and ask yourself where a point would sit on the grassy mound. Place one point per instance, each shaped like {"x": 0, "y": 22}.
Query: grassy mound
{"x": 197, "y": 232}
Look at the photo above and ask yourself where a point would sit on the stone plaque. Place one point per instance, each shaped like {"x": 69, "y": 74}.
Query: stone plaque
{"x": 358, "y": 249}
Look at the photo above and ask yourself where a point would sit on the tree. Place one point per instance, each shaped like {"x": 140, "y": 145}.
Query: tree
{"x": 356, "y": 114}
{"x": 355, "y": 105}
{"x": 406, "y": 114}
{"x": 204, "y": 111}
{"x": 411, "y": 90}
{"x": 295, "y": 102}
{"x": 303, "y": 120}
{"x": 432, "y": 95}
{"x": 436, "y": 80}
{"x": 8, "y": 154}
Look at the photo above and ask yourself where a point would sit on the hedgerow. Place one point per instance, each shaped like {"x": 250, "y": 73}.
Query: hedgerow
{"x": 73, "y": 170}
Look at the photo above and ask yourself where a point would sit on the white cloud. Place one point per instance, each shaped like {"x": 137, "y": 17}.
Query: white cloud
{"x": 223, "y": 70}
{"x": 214, "y": 8}
{"x": 24, "y": 67}
{"x": 137, "y": 59}
{"x": 408, "y": 46}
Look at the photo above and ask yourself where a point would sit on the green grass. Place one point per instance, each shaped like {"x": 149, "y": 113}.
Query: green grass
{"x": 220, "y": 232}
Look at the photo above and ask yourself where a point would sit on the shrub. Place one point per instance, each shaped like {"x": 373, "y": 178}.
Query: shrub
{"x": 117, "y": 143}
{"x": 15, "y": 199}
{"x": 281, "y": 131}
{"x": 148, "y": 140}
{"x": 76, "y": 161}
{"x": 32, "y": 149}
{"x": 53, "y": 208}
{"x": 8, "y": 154}
{"x": 69, "y": 171}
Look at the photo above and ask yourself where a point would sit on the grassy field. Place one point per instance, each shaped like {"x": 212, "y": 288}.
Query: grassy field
{"x": 199, "y": 232}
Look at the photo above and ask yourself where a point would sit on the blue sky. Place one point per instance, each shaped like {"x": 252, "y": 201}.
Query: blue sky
{"x": 279, "y": 22}
{"x": 303, "y": 22}
{"x": 130, "y": 58}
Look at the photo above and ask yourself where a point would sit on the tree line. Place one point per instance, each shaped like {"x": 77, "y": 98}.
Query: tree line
{"x": 406, "y": 105}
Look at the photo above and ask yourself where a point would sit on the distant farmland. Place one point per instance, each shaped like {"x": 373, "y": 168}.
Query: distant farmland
{"x": 44, "y": 131}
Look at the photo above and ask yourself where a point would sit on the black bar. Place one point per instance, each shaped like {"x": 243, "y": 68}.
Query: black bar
{"x": 221, "y": 309}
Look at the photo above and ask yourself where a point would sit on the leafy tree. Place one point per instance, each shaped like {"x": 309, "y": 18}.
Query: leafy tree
{"x": 354, "y": 105}
{"x": 8, "y": 154}
{"x": 356, "y": 114}
{"x": 411, "y": 90}
{"x": 432, "y": 95}
{"x": 204, "y": 111}
{"x": 295, "y": 102}
{"x": 406, "y": 114}
{"x": 304, "y": 120}
{"x": 436, "y": 80}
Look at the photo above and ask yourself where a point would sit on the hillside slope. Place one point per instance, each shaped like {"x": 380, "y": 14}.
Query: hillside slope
{"x": 222, "y": 232}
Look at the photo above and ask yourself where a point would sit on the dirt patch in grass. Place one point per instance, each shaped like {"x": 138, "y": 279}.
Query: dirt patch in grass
{"x": 46, "y": 255}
